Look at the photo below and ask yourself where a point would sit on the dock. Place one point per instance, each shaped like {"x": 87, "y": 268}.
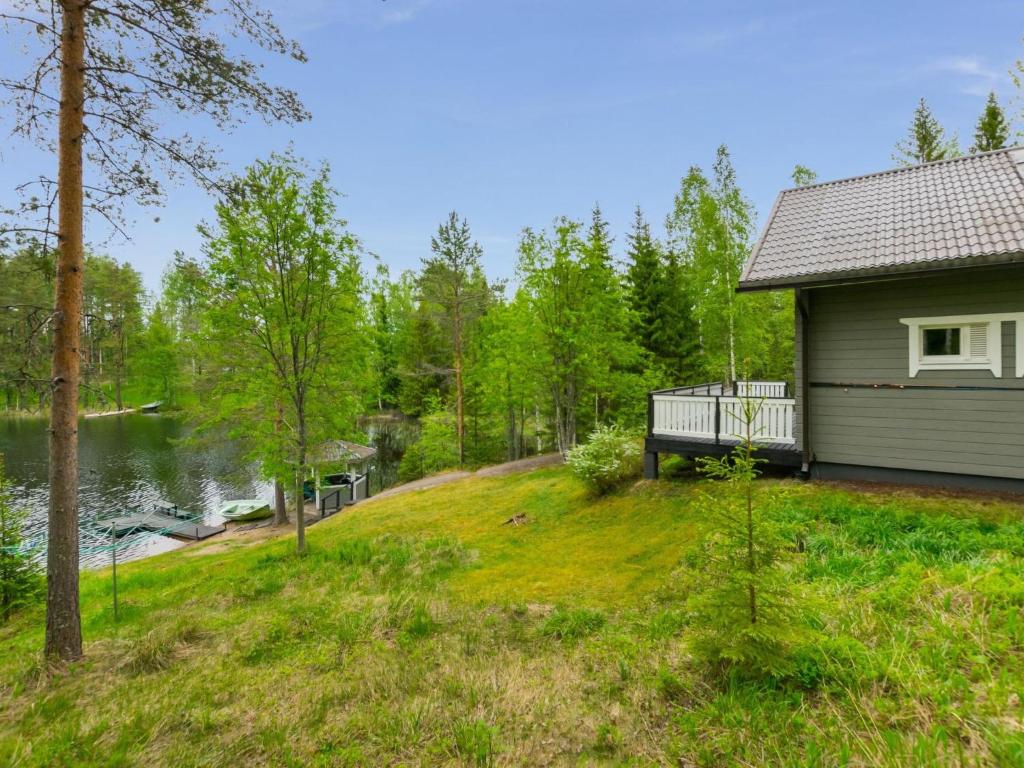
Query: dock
{"x": 170, "y": 522}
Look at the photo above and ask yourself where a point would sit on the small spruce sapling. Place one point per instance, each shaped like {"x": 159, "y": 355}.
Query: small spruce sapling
{"x": 745, "y": 608}
{"x": 20, "y": 580}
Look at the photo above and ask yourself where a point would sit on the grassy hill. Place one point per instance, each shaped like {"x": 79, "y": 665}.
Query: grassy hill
{"x": 419, "y": 630}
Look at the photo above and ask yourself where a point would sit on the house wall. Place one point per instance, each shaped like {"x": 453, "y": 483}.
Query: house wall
{"x": 965, "y": 422}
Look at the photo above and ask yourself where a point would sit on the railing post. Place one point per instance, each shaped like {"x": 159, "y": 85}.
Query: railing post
{"x": 650, "y": 414}
{"x": 718, "y": 420}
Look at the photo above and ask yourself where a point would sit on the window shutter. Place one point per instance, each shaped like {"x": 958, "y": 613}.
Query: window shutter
{"x": 978, "y": 341}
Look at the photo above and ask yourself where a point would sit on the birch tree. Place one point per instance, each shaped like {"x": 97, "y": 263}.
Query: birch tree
{"x": 99, "y": 76}
{"x": 286, "y": 319}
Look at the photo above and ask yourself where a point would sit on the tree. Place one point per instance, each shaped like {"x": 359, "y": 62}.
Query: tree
{"x": 20, "y": 581}
{"x": 926, "y": 141}
{"x": 100, "y": 74}
{"x": 992, "y": 131}
{"x": 286, "y": 316}
{"x": 453, "y": 279}
{"x": 156, "y": 364}
{"x": 803, "y": 176}
{"x": 744, "y": 604}
{"x": 710, "y": 228}
{"x": 113, "y": 308}
{"x": 657, "y": 291}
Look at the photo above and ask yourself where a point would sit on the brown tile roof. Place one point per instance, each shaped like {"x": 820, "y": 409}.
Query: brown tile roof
{"x": 963, "y": 212}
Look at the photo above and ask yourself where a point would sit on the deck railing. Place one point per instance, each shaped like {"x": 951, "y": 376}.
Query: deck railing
{"x": 720, "y": 415}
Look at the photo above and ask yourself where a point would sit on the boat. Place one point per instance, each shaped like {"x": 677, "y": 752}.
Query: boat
{"x": 245, "y": 509}
{"x": 151, "y": 407}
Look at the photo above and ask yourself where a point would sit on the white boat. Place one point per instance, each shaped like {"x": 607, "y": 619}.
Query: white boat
{"x": 245, "y": 509}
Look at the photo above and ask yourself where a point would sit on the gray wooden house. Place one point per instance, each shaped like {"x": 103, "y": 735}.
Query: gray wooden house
{"x": 909, "y": 332}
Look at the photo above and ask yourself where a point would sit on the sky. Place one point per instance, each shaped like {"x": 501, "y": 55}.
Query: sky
{"x": 513, "y": 112}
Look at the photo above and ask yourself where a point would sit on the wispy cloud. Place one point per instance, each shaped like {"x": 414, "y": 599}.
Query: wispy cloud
{"x": 973, "y": 76}
{"x": 707, "y": 39}
{"x": 403, "y": 12}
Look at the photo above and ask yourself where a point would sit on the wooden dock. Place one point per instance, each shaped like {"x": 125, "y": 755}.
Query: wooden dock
{"x": 170, "y": 523}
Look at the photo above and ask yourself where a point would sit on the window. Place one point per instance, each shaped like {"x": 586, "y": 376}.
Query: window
{"x": 962, "y": 343}
{"x": 940, "y": 342}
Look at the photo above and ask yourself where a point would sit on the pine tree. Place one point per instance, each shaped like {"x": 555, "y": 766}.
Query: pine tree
{"x": 926, "y": 141}
{"x": 993, "y": 130}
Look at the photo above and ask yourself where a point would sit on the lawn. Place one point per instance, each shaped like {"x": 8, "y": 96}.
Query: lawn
{"x": 420, "y": 630}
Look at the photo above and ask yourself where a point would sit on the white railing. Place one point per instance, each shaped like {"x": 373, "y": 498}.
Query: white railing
{"x": 718, "y": 417}
{"x": 761, "y": 389}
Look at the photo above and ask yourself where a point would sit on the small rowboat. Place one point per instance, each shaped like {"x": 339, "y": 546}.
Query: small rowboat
{"x": 245, "y": 509}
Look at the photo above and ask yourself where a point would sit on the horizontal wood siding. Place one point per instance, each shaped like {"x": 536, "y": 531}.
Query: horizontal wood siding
{"x": 856, "y": 338}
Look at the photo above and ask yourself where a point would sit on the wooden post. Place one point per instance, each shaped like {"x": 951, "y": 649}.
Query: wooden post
{"x": 113, "y": 555}
{"x": 718, "y": 420}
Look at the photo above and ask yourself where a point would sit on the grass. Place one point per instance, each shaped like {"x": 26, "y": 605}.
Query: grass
{"x": 419, "y": 630}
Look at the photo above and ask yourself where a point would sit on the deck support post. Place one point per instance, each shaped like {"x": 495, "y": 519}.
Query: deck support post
{"x": 650, "y": 465}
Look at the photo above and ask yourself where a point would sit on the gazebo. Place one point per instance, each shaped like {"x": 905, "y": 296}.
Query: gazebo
{"x": 344, "y": 468}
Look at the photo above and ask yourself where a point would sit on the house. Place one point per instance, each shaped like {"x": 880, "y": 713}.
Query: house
{"x": 909, "y": 332}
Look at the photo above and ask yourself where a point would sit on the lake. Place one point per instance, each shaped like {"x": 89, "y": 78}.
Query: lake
{"x": 128, "y": 462}
{"x": 134, "y": 461}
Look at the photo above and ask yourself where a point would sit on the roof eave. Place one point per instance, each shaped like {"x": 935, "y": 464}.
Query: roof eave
{"x": 873, "y": 274}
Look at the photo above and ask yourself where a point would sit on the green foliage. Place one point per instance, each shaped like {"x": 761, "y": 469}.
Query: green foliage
{"x": 475, "y": 742}
{"x": 435, "y": 450}
{"x": 21, "y": 581}
{"x": 285, "y": 318}
{"x": 610, "y": 458}
{"x": 710, "y": 230}
{"x": 660, "y": 300}
{"x": 746, "y": 611}
{"x": 803, "y": 176}
{"x": 572, "y": 624}
{"x": 993, "y": 130}
{"x": 926, "y": 141}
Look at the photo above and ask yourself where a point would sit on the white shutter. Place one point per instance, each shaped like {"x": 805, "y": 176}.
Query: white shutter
{"x": 977, "y": 344}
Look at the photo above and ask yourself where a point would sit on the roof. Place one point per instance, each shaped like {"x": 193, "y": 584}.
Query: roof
{"x": 336, "y": 451}
{"x": 963, "y": 212}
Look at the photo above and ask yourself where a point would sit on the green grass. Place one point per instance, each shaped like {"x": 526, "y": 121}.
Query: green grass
{"x": 419, "y": 630}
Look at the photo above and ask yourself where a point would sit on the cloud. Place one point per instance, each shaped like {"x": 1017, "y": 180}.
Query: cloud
{"x": 708, "y": 39}
{"x": 306, "y": 15}
{"x": 402, "y": 12}
{"x": 972, "y": 75}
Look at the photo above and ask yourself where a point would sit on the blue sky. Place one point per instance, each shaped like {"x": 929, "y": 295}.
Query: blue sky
{"x": 515, "y": 111}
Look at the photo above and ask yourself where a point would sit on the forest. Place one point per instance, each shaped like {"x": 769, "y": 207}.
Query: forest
{"x": 488, "y": 369}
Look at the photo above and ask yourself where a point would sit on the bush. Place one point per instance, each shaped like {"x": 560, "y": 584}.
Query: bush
{"x": 609, "y": 458}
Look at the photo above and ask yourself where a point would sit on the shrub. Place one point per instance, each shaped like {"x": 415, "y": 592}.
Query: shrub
{"x": 609, "y": 458}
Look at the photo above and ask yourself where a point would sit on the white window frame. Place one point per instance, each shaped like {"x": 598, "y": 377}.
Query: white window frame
{"x": 963, "y": 362}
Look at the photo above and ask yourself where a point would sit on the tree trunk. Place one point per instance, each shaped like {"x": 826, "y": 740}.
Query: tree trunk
{"x": 63, "y": 624}
{"x": 300, "y": 504}
{"x": 280, "y": 507}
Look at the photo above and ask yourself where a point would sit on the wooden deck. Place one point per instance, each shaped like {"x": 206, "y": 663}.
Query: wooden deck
{"x": 705, "y": 419}
{"x": 161, "y": 522}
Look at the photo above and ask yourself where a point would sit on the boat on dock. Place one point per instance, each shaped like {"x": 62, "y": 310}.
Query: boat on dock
{"x": 165, "y": 519}
{"x": 245, "y": 509}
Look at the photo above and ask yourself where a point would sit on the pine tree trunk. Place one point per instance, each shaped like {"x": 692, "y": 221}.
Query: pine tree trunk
{"x": 63, "y": 624}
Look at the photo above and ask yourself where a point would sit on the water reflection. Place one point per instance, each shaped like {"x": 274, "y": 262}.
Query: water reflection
{"x": 128, "y": 462}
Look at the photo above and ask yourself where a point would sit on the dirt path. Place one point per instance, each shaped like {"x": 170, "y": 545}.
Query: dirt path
{"x": 235, "y": 537}
{"x": 495, "y": 470}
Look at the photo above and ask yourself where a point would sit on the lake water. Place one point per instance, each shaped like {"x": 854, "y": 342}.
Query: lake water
{"x": 134, "y": 461}
{"x": 128, "y": 462}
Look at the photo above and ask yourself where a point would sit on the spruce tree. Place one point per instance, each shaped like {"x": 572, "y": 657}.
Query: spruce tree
{"x": 926, "y": 141}
{"x": 993, "y": 130}
{"x": 20, "y": 580}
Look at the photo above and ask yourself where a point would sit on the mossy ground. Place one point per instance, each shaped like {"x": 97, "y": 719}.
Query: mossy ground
{"x": 419, "y": 630}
